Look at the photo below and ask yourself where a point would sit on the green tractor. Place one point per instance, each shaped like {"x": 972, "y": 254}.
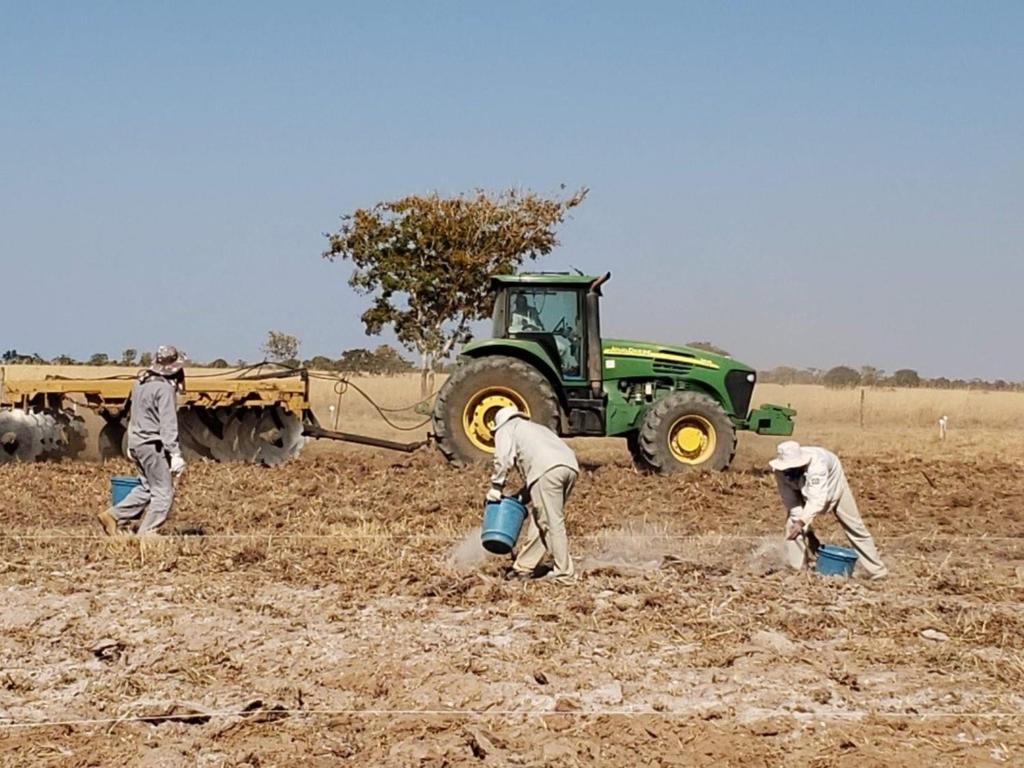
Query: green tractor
{"x": 678, "y": 407}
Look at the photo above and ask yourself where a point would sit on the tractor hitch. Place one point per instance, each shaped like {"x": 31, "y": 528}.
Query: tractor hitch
{"x": 319, "y": 433}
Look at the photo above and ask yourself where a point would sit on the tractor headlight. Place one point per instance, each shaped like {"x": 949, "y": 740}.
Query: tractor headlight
{"x": 751, "y": 377}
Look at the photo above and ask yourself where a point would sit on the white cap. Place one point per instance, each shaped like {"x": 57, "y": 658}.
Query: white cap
{"x": 791, "y": 456}
{"x": 507, "y": 413}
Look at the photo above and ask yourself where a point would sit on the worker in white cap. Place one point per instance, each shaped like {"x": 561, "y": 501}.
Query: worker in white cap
{"x": 811, "y": 482}
{"x": 152, "y": 445}
{"x": 549, "y": 469}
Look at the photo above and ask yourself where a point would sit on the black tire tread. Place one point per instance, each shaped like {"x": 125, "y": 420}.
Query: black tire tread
{"x": 447, "y": 415}
{"x": 653, "y": 454}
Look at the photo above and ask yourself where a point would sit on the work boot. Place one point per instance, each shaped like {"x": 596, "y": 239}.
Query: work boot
{"x": 562, "y": 581}
{"x": 108, "y": 522}
{"x": 511, "y": 574}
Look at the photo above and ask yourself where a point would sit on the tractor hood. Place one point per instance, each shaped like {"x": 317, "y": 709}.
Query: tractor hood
{"x": 664, "y": 353}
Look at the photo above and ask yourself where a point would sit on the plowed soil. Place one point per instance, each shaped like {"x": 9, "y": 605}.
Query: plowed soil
{"x": 339, "y": 611}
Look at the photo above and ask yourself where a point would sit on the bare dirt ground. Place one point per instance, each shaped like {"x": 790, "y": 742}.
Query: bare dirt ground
{"x": 338, "y": 611}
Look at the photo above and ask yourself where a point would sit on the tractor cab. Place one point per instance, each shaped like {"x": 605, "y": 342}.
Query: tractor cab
{"x": 550, "y": 310}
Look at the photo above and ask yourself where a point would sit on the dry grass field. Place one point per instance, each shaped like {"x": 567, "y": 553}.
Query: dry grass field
{"x": 338, "y": 609}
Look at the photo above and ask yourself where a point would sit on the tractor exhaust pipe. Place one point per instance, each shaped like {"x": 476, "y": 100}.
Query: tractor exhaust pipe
{"x": 595, "y": 363}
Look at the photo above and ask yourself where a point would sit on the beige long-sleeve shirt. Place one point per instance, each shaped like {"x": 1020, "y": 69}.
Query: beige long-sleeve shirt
{"x": 818, "y": 490}
{"x": 532, "y": 448}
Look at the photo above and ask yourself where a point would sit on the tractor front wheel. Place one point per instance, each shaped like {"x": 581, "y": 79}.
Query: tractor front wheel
{"x": 468, "y": 401}
{"x": 686, "y": 430}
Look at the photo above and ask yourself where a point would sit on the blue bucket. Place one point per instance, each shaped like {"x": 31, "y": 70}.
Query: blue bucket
{"x": 121, "y": 487}
{"x": 502, "y": 521}
{"x": 836, "y": 561}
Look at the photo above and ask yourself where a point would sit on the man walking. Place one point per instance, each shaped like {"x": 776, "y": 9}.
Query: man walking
{"x": 549, "y": 469}
{"x": 152, "y": 445}
{"x": 811, "y": 482}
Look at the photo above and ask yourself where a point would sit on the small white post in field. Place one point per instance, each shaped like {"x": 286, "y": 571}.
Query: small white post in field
{"x": 942, "y": 427}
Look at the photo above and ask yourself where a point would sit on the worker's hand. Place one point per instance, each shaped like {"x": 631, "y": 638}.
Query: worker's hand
{"x": 794, "y": 528}
{"x": 177, "y": 464}
{"x": 493, "y": 495}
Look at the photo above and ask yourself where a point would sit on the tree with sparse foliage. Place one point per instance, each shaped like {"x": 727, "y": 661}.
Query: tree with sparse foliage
{"x": 281, "y": 347}
{"x": 355, "y": 361}
{"x": 99, "y": 359}
{"x": 220, "y": 362}
{"x": 389, "y": 361}
{"x": 63, "y": 360}
{"x": 841, "y": 377}
{"x": 128, "y": 356}
{"x": 145, "y": 359}
{"x": 13, "y": 356}
{"x": 319, "y": 363}
{"x": 427, "y": 260}
{"x": 870, "y": 376}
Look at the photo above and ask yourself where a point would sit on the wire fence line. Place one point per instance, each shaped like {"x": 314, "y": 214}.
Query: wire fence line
{"x": 617, "y": 533}
{"x": 280, "y": 713}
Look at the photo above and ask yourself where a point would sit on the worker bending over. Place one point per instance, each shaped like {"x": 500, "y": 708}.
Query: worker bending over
{"x": 152, "y": 445}
{"x": 549, "y": 469}
{"x": 811, "y": 482}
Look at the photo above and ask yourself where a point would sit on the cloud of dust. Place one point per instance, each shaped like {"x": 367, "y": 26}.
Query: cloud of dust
{"x": 469, "y": 553}
{"x": 769, "y": 555}
{"x": 634, "y": 548}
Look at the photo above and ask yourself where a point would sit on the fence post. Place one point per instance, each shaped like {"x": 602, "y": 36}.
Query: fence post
{"x": 862, "y": 407}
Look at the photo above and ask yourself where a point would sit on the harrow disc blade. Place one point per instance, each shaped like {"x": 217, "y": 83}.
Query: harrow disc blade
{"x": 241, "y": 435}
{"x": 40, "y": 436}
{"x": 51, "y": 436}
{"x": 220, "y": 445}
{"x": 112, "y": 443}
{"x": 20, "y": 437}
{"x": 195, "y": 435}
{"x": 268, "y": 436}
{"x": 74, "y": 434}
{"x": 279, "y": 437}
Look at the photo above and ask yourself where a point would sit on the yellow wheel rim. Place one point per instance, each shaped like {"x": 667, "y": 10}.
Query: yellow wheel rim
{"x": 478, "y": 415}
{"x": 692, "y": 439}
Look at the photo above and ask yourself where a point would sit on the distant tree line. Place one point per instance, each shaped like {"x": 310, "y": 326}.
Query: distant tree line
{"x": 846, "y": 377}
{"x": 385, "y": 360}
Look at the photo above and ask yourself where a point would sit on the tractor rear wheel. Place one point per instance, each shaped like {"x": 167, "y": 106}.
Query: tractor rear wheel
{"x": 466, "y": 405}
{"x": 686, "y": 430}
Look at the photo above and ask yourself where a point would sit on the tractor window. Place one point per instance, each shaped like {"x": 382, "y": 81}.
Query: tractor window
{"x": 551, "y": 316}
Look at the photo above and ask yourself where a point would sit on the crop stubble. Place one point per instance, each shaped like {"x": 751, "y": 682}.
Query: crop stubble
{"x": 320, "y": 613}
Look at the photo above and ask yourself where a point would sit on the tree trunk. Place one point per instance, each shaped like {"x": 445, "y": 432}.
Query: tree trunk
{"x": 426, "y": 373}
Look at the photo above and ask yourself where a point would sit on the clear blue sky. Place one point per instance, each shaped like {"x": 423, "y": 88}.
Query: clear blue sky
{"x": 802, "y": 183}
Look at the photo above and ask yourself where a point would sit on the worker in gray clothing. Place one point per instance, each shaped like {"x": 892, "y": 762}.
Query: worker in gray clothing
{"x": 811, "y": 482}
{"x": 152, "y": 445}
{"x": 549, "y": 469}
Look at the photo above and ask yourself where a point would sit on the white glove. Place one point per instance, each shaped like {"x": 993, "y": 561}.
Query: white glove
{"x": 493, "y": 495}
{"x": 795, "y": 527}
{"x": 177, "y": 464}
